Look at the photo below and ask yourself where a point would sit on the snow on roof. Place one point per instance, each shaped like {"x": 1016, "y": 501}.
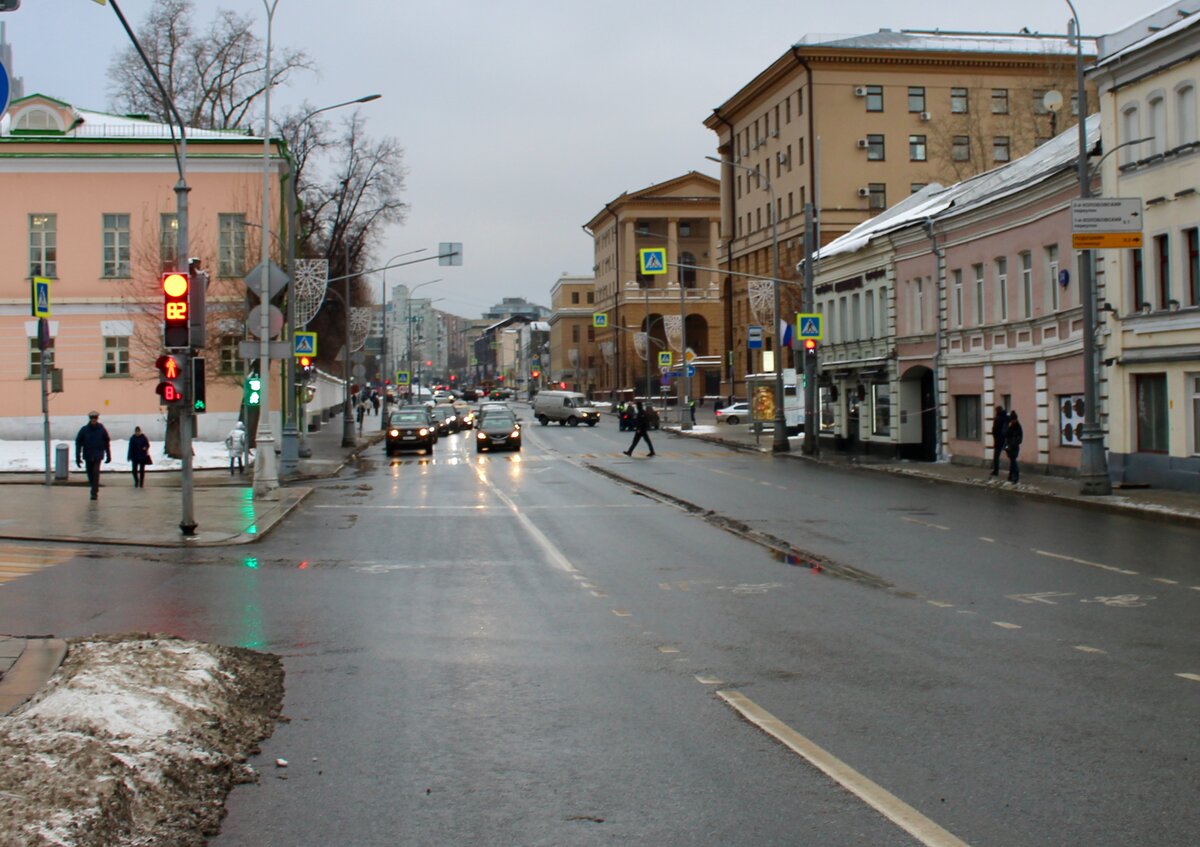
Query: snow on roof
{"x": 934, "y": 200}
{"x": 886, "y": 39}
{"x": 92, "y": 124}
{"x": 1124, "y": 47}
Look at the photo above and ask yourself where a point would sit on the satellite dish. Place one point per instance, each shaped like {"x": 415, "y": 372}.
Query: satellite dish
{"x": 1053, "y": 100}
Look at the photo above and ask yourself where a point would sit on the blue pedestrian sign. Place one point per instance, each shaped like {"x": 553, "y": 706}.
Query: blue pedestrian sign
{"x": 402, "y": 377}
{"x": 40, "y": 295}
{"x": 5, "y": 88}
{"x": 664, "y": 358}
{"x": 810, "y": 326}
{"x": 653, "y": 260}
{"x": 304, "y": 344}
{"x": 600, "y": 320}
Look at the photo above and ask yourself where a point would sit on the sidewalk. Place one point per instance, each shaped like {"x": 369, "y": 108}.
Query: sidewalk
{"x": 224, "y": 507}
{"x": 1151, "y": 503}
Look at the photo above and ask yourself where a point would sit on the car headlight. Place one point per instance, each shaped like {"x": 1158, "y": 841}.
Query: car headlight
{"x": 422, "y": 432}
{"x": 516, "y": 433}
{"x": 481, "y": 435}
{"x": 393, "y": 432}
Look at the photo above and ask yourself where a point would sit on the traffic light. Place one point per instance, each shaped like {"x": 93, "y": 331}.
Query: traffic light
{"x": 306, "y": 368}
{"x": 196, "y": 308}
{"x": 176, "y": 323}
{"x": 199, "y": 398}
{"x": 170, "y": 387}
{"x": 535, "y": 374}
{"x": 252, "y": 390}
{"x": 810, "y": 346}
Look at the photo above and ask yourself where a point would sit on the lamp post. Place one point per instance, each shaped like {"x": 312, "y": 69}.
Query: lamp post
{"x": 779, "y": 443}
{"x": 1093, "y": 463}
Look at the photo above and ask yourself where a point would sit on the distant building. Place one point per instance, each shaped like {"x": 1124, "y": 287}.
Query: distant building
{"x": 573, "y": 357}
{"x": 516, "y": 306}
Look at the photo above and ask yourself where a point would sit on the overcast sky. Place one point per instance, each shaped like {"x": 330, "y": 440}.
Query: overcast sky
{"x": 519, "y": 118}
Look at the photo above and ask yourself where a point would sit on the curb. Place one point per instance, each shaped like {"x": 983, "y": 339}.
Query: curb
{"x": 36, "y": 664}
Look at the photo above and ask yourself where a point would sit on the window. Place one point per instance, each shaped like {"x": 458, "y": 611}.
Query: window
{"x": 958, "y": 101}
{"x": 575, "y": 334}
{"x": 787, "y": 110}
{"x": 116, "y": 245}
{"x": 1130, "y": 129}
{"x": 874, "y": 98}
{"x": 1052, "y": 276}
{"x": 1137, "y": 278}
{"x": 881, "y": 408}
{"x": 1001, "y": 148}
{"x": 875, "y": 148}
{"x": 916, "y": 148}
{"x": 1193, "y": 385}
{"x": 914, "y": 187}
{"x": 574, "y": 297}
{"x": 800, "y": 102}
{"x": 999, "y": 101}
{"x": 960, "y": 150}
{"x": 1039, "y": 101}
{"x": 958, "y": 297}
{"x": 878, "y": 195}
{"x": 168, "y": 240}
{"x": 883, "y": 321}
{"x": 43, "y": 245}
{"x": 1185, "y": 114}
{"x": 36, "y": 358}
{"x": 968, "y": 417}
{"x": 1162, "y": 260}
{"x": 919, "y": 305}
{"x": 1151, "y": 392}
{"x": 870, "y": 312}
{"x": 591, "y": 297}
{"x": 1002, "y": 286}
{"x": 116, "y": 355}
{"x": 1192, "y": 239}
{"x": 1157, "y": 112}
{"x": 230, "y": 361}
{"x": 688, "y": 275}
{"x": 591, "y": 333}
{"x": 843, "y": 320}
{"x": 685, "y": 229}
{"x": 1027, "y": 283}
{"x": 978, "y": 270}
{"x": 855, "y": 317}
{"x": 916, "y": 98}
{"x": 231, "y": 245}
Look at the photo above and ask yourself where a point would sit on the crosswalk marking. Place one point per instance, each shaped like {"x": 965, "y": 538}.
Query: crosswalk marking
{"x": 18, "y": 560}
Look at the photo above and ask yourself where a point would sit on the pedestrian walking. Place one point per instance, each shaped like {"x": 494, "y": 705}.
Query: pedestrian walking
{"x": 641, "y": 422}
{"x": 92, "y": 445}
{"x": 139, "y": 456}
{"x": 1012, "y": 446}
{"x": 999, "y": 436}
{"x": 238, "y": 445}
{"x": 375, "y": 402}
{"x": 692, "y": 409}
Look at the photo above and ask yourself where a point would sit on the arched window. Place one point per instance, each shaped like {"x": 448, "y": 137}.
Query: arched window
{"x": 688, "y": 275}
{"x": 1157, "y": 114}
{"x": 37, "y": 119}
{"x": 1185, "y": 114}
{"x": 1130, "y": 129}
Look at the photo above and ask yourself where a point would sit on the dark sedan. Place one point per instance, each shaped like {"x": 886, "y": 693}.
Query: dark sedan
{"x": 497, "y": 430}
{"x": 446, "y": 418}
{"x": 410, "y": 429}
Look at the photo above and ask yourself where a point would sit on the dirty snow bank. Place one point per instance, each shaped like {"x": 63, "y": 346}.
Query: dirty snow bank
{"x": 136, "y": 739}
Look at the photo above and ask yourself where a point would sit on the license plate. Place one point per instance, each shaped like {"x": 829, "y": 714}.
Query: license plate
{"x": 409, "y": 437}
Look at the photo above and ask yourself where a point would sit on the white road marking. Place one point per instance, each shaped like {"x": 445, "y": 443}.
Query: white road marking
{"x": 1083, "y": 648}
{"x": 1039, "y": 597}
{"x": 1006, "y": 625}
{"x": 1194, "y": 677}
{"x": 621, "y": 613}
{"x": 988, "y": 540}
{"x": 878, "y": 798}
{"x": 1166, "y": 581}
{"x": 1112, "y": 568}
{"x": 940, "y": 604}
{"x": 552, "y": 552}
{"x": 599, "y": 593}
{"x": 668, "y": 649}
{"x": 928, "y": 524}
{"x": 707, "y": 679}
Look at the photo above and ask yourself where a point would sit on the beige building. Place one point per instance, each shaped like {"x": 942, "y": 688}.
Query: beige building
{"x": 649, "y": 314}
{"x": 867, "y": 120}
{"x": 574, "y": 354}
{"x": 1147, "y": 77}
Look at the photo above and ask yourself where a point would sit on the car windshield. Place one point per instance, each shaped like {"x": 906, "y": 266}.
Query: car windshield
{"x": 407, "y": 417}
{"x": 499, "y": 420}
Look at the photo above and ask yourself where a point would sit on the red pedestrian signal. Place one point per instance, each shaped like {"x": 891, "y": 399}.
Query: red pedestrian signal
{"x": 810, "y": 346}
{"x": 176, "y": 323}
{"x": 170, "y": 388}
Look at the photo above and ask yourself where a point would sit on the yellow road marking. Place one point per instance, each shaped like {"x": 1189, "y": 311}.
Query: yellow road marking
{"x": 878, "y": 798}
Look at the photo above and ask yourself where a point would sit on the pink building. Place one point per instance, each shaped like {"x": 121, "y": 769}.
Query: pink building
{"x": 952, "y": 303}
{"x": 90, "y": 205}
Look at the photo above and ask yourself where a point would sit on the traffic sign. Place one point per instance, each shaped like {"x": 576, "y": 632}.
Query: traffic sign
{"x": 664, "y": 358}
{"x": 754, "y": 337}
{"x": 653, "y": 260}
{"x": 810, "y": 325}
{"x": 5, "y": 88}
{"x": 41, "y": 297}
{"x": 304, "y": 344}
{"x": 402, "y": 377}
{"x": 277, "y": 279}
{"x": 1105, "y": 240}
{"x": 600, "y": 320}
{"x": 1106, "y": 214}
{"x": 691, "y": 370}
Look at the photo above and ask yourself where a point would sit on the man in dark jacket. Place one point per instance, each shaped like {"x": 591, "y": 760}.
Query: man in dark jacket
{"x": 1012, "y": 446}
{"x": 642, "y": 425}
{"x": 92, "y": 445}
{"x": 999, "y": 433}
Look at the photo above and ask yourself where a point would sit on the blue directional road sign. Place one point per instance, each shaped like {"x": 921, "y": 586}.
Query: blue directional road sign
{"x": 41, "y": 297}
{"x": 653, "y": 260}
{"x": 304, "y": 344}
{"x": 810, "y": 326}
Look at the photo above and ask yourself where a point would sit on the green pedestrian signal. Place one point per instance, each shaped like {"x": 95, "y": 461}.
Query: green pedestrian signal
{"x": 199, "y": 392}
{"x": 252, "y": 390}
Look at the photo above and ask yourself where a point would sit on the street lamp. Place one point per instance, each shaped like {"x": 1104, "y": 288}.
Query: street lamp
{"x": 779, "y": 443}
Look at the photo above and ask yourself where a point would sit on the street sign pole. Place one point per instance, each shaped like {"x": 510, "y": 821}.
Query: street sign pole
{"x": 812, "y": 416}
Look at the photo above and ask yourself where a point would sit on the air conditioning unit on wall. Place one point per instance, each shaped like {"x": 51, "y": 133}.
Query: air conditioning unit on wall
{"x": 860, "y": 91}
{"x": 864, "y": 192}
{"x": 926, "y": 116}
{"x": 863, "y": 144}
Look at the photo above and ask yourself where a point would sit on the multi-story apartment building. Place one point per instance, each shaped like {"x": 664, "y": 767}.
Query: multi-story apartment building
{"x": 1147, "y": 75}
{"x": 893, "y": 111}
{"x": 648, "y": 314}
{"x": 574, "y": 354}
{"x": 89, "y": 204}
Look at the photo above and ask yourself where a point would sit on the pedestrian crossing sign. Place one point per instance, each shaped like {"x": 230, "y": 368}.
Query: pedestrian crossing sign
{"x": 402, "y": 378}
{"x": 810, "y": 326}
{"x": 653, "y": 260}
{"x": 304, "y": 344}
{"x": 600, "y": 320}
{"x": 41, "y": 297}
{"x": 664, "y": 358}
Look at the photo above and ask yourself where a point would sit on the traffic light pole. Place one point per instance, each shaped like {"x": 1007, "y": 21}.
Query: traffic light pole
{"x": 812, "y": 415}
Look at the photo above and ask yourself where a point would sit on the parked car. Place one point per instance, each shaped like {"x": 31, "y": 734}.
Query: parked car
{"x": 498, "y": 430}
{"x": 410, "y": 429}
{"x": 734, "y": 413}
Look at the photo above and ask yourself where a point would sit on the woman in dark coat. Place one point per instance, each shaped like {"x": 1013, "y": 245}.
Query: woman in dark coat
{"x": 1013, "y": 437}
{"x": 139, "y": 456}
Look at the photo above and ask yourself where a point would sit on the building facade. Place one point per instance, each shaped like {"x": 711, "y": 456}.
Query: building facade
{"x": 574, "y": 354}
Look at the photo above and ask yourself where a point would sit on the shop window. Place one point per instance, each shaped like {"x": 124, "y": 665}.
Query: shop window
{"x": 881, "y": 408}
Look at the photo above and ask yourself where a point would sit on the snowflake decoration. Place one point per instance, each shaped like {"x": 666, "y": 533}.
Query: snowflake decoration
{"x": 606, "y": 351}
{"x": 360, "y": 326}
{"x": 674, "y": 326}
{"x": 639, "y": 344}
{"x": 762, "y": 304}
{"x": 309, "y": 280}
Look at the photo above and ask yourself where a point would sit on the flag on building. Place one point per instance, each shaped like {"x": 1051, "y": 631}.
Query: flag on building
{"x": 785, "y": 334}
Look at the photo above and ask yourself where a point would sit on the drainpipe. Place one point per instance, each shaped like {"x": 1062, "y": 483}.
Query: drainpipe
{"x": 732, "y": 218}
{"x": 938, "y": 339}
{"x": 812, "y": 146}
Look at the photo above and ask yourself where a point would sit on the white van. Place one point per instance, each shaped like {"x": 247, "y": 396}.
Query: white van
{"x": 566, "y": 407}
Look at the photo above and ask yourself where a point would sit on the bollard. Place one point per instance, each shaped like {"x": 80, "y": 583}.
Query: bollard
{"x": 62, "y": 461}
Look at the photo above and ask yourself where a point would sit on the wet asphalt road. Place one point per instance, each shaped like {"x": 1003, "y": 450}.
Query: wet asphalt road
{"x": 525, "y": 649}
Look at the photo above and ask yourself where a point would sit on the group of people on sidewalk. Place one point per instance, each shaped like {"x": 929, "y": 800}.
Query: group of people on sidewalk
{"x": 1007, "y": 435}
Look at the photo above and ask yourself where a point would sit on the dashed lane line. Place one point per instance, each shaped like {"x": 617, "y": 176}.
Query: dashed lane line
{"x": 878, "y": 798}
{"x": 1083, "y": 648}
{"x": 1079, "y": 561}
{"x": 1194, "y": 677}
{"x": 1006, "y": 625}
{"x": 928, "y": 524}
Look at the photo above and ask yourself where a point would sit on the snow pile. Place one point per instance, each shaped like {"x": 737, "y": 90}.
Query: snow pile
{"x": 136, "y": 739}
{"x": 24, "y": 456}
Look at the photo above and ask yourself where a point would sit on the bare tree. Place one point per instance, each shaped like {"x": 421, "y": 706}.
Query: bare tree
{"x": 214, "y": 77}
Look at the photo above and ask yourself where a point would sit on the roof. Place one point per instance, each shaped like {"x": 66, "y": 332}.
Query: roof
{"x": 1054, "y": 156}
{"x": 945, "y": 42}
{"x": 89, "y": 124}
{"x": 1125, "y": 43}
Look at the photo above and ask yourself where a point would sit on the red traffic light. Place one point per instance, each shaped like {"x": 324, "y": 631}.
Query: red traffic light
{"x": 810, "y": 345}
{"x": 305, "y": 361}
